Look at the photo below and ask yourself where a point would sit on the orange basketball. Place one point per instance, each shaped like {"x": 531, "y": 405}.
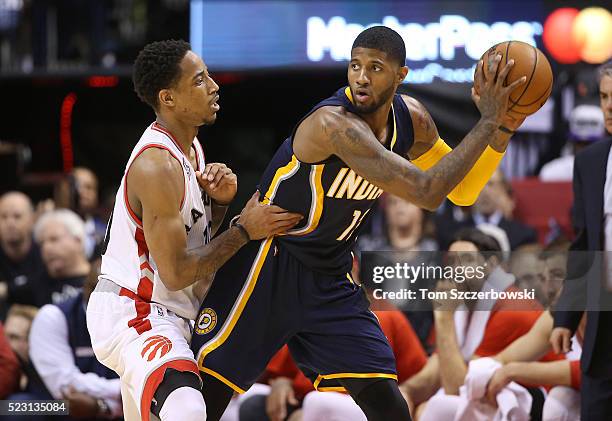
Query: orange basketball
{"x": 529, "y": 97}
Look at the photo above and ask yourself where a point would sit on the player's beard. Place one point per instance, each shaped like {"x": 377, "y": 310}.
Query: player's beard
{"x": 385, "y": 96}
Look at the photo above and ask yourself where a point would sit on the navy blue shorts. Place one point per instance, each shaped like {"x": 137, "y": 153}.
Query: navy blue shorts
{"x": 263, "y": 298}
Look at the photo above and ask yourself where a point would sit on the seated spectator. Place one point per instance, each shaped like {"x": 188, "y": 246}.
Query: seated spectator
{"x": 586, "y": 126}
{"x": 21, "y": 265}
{"x": 494, "y": 206}
{"x": 62, "y": 357}
{"x": 404, "y": 240}
{"x": 9, "y": 367}
{"x": 405, "y": 228}
{"x": 528, "y": 269}
{"x": 470, "y": 331}
{"x": 86, "y": 184}
{"x": 555, "y": 271}
{"x": 61, "y": 235}
{"x": 17, "y": 331}
{"x": 289, "y": 387}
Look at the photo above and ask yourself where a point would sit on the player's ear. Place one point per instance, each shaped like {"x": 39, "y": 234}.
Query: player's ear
{"x": 165, "y": 97}
{"x": 402, "y": 73}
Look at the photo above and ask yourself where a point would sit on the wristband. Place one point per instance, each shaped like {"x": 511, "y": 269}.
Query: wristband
{"x": 505, "y": 129}
{"x": 242, "y": 229}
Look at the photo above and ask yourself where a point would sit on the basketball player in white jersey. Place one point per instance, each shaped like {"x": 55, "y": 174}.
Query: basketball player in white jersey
{"x": 158, "y": 257}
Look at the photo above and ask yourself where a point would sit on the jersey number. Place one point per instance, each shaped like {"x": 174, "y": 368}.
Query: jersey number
{"x": 357, "y": 219}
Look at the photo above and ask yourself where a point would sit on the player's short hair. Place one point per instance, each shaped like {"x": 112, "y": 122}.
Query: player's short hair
{"x": 157, "y": 67}
{"x": 604, "y": 70}
{"x": 383, "y": 39}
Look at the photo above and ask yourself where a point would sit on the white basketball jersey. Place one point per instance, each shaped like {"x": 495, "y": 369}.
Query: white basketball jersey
{"x": 126, "y": 259}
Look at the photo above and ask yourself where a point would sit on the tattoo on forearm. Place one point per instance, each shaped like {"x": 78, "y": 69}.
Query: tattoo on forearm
{"x": 216, "y": 253}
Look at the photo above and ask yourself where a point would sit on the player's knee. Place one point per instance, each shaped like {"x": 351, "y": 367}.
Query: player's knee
{"x": 194, "y": 410}
{"x": 185, "y": 404}
{"x": 316, "y": 406}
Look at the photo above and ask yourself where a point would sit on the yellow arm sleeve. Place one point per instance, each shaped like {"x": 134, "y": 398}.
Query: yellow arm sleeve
{"x": 467, "y": 191}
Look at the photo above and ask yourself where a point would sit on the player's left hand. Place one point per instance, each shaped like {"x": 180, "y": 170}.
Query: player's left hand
{"x": 219, "y": 182}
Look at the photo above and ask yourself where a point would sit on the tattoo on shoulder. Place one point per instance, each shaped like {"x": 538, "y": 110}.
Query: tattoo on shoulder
{"x": 352, "y": 135}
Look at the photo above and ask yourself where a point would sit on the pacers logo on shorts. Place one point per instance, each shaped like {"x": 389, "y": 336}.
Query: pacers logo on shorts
{"x": 155, "y": 345}
{"x": 206, "y": 322}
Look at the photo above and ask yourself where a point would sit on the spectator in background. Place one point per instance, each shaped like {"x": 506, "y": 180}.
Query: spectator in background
{"x": 405, "y": 228}
{"x": 464, "y": 332}
{"x": 17, "y": 329}
{"x": 62, "y": 356}
{"x": 9, "y": 367}
{"x": 404, "y": 236}
{"x": 494, "y": 206}
{"x": 61, "y": 235}
{"x": 586, "y": 125}
{"x": 86, "y": 185}
{"x": 21, "y": 265}
{"x": 529, "y": 270}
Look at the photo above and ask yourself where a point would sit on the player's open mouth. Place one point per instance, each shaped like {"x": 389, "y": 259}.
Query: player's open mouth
{"x": 214, "y": 104}
{"x": 361, "y": 96}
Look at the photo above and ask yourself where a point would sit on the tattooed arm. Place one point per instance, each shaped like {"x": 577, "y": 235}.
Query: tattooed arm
{"x": 426, "y": 132}
{"x": 155, "y": 189}
{"x": 334, "y": 131}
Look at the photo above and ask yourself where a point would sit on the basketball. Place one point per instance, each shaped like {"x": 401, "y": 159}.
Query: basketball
{"x": 529, "y": 61}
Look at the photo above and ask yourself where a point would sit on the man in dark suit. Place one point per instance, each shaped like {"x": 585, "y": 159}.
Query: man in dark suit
{"x": 587, "y": 286}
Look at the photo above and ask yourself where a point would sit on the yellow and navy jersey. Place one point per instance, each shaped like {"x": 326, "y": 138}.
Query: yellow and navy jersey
{"x": 332, "y": 197}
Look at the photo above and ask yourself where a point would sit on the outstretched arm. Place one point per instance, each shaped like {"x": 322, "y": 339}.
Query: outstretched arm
{"x": 156, "y": 185}
{"x": 351, "y": 139}
{"x": 428, "y": 148}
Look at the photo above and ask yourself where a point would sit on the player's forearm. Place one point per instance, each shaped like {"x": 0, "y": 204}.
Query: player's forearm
{"x": 452, "y": 168}
{"x": 201, "y": 264}
{"x": 218, "y": 215}
{"x": 453, "y": 368}
{"x": 555, "y": 373}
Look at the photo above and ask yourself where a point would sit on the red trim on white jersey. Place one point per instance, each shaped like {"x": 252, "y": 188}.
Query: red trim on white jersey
{"x": 132, "y": 214}
{"x": 144, "y": 293}
{"x": 159, "y": 128}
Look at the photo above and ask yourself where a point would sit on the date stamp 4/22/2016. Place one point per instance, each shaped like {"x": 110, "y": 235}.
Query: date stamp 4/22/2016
{"x": 34, "y": 407}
